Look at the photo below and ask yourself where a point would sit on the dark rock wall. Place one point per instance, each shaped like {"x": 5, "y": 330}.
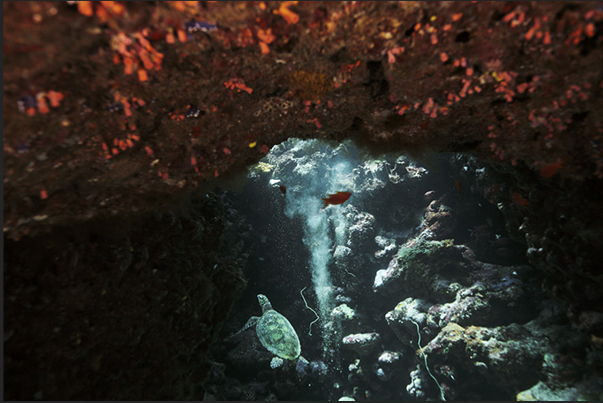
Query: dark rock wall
{"x": 118, "y": 310}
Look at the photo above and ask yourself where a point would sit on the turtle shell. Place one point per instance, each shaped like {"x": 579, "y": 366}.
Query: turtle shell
{"x": 277, "y": 335}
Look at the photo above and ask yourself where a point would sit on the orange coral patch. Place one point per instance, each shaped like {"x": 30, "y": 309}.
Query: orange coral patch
{"x": 178, "y": 5}
{"x": 55, "y": 98}
{"x": 146, "y": 61}
{"x": 238, "y": 84}
{"x": 127, "y": 109}
{"x": 102, "y": 14}
{"x": 42, "y": 105}
{"x": 181, "y": 36}
{"x": 521, "y": 88}
{"x": 266, "y": 36}
{"x": 288, "y": 15}
{"x": 129, "y": 65}
{"x": 509, "y": 16}
{"x": 142, "y": 75}
{"x": 113, "y": 6}
{"x": 85, "y": 8}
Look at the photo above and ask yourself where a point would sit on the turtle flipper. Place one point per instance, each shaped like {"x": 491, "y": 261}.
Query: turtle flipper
{"x": 302, "y": 367}
{"x": 250, "y": 323}
{"x": 276, "y": 362}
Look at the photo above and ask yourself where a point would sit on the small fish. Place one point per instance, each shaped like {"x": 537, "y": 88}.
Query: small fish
{"x": 520, "y": 200}
{"x": 550, "y": 169}
{"x": 459, "y": 189}
{"x": 336, "y": 198}
{"x": 430, "y": 195}
{"x": 283, "y": 189}
{"x": 494, "y": 191}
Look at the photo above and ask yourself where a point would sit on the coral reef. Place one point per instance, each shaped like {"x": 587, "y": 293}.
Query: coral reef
{"x": 464, "y": 324}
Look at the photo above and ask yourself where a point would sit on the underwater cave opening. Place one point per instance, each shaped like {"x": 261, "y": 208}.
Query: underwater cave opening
{"x": 299, "y": 236}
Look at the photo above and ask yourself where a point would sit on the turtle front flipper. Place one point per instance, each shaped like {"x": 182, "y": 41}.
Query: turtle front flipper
{"x": 250, "y": 323}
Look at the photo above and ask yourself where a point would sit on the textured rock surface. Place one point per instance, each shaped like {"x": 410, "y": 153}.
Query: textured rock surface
{"x": 118, "y": 313}
{"x": 362, "y": 343}
{"x": 541, "y": 392}
{"x": 504, "y": 358}
{"x": 513, "y": 82}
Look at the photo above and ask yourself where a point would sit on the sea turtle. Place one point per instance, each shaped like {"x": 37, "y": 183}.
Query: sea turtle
{"x": 275, "y": 333}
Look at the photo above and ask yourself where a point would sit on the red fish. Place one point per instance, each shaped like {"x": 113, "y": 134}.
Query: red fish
{"x": 430, "y": 195}
{"x": 496, "y": 187}
{"x": 283, "y": 189}
{"x": 550, "y": 169}
{"x": 520, "y": 200}
{"x": 459, "y": 189}
{"x": 336, "y": 198}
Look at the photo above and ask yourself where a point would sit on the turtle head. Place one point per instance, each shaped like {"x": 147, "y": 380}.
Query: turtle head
{"x": 264, "y": 303}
